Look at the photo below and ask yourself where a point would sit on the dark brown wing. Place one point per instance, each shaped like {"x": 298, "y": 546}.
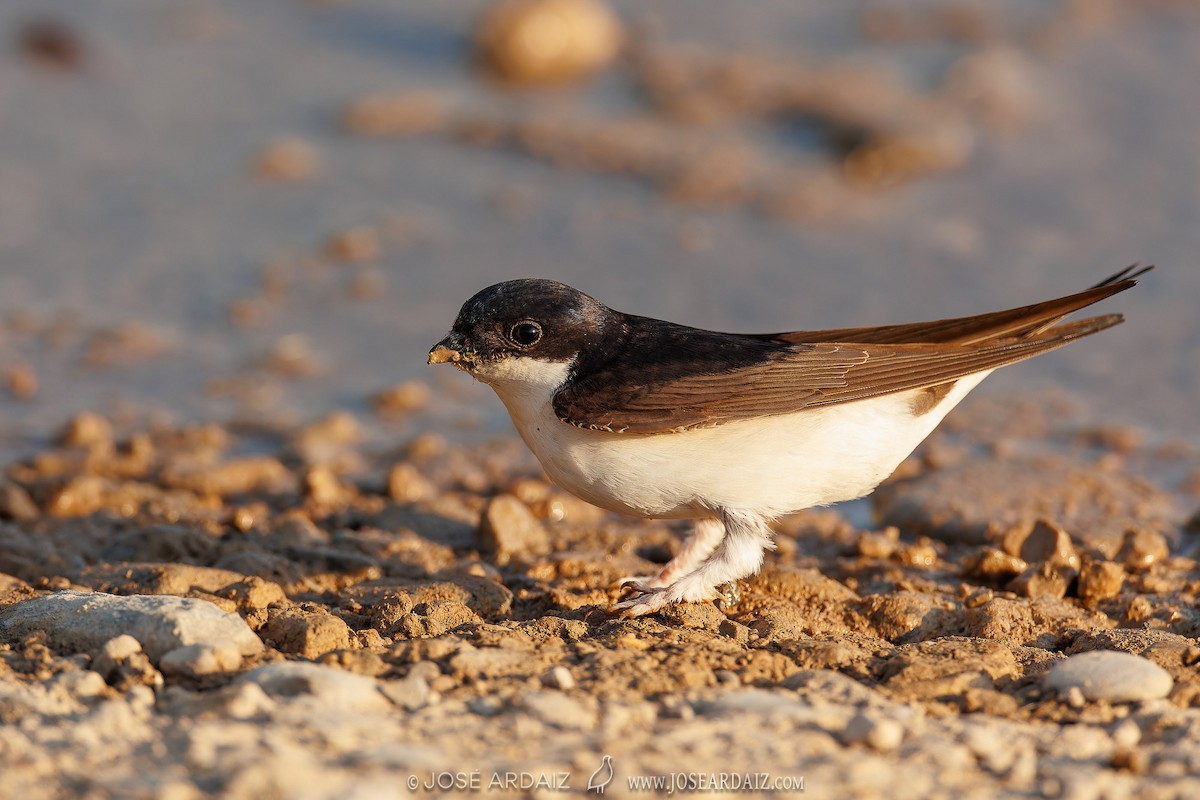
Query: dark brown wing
{"x": 1013, "y": 322}
{"x": 793, "y": 378}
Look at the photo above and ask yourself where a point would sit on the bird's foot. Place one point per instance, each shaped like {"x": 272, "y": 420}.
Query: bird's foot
{"x": 640, "y": 599}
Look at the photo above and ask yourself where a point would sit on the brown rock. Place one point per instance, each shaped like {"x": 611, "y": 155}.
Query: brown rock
{"x": 354, "y": 245}
{"x": 239, "y": 476}
{"x": 508, "y": 528}
{"x": 86, "y": 430}
{"x": 547, "y": 41}
{"x": 1100, "y": 580}
{"x": 1040, "y": 580}
{"x": 21, "y": 381}
{"x": 990, "y": 564}
{"x": 15, "y": 502}
{"x": 288, "y": 160}
{"x": 1048, "y": 542}
{"x": 406, "y": 484}
{"x": 253, "y": 593}
{"x": 1142, "y": 548}
{"x": 307, "y": 631}
{"x": 401, "y": 399}
{"x": 396, "y": 114}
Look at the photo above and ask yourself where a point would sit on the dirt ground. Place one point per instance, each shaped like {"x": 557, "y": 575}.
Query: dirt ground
{"x": 247, "y": 571}
{"x": 435, "y": 614}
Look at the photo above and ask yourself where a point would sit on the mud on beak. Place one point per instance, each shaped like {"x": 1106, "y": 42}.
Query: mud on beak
{"x": 448, "y": 350}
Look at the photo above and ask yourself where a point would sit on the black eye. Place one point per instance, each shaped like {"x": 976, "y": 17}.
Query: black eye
{"x": 526, "y": 334}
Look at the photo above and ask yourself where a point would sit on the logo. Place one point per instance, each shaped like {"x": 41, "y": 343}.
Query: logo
{"x": 602, "y": 777}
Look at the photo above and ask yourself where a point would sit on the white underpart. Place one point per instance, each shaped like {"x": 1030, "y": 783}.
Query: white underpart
{"x": 743, "y": 472}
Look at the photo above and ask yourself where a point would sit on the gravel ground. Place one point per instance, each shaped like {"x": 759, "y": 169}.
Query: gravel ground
{"x": 264, "y": 559}
{"x": 253, "y": 611}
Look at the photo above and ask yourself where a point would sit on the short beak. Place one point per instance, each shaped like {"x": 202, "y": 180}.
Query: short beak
{"x": 448, "y": 350}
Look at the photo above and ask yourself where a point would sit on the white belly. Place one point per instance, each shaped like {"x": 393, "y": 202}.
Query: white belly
{"x": 773, "y": 465}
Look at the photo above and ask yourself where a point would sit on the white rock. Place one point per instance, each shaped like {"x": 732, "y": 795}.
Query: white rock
{"x": 1110, "y": 675}
{"x": 85, "y": 621}
{"x": 410, "y": 692}
{"x": 878, "y": 733}
{"x": 559, "y": 678}
{"x": 328, "y": 687}
{"x": 560, "y": 710}
{"x": 201, "y": 659}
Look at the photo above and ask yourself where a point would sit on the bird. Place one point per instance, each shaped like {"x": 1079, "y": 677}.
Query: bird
{"x": 599, "y": 780}
{"x": 664, "y": 421}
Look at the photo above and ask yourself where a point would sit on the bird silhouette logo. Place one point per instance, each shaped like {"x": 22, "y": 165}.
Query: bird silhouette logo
{"x": 602, "y": 776}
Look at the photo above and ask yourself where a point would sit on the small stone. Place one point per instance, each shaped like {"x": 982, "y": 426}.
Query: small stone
{"x": 1074, "y": 697}
{"x": 508, "y": 528}
{"x": 547, "y": 41}
{"x": 559, "y": 678}
{"x": 306, "y": 632}
{"x": 288, "y": 160}
{"x": 325, "y": 687}
{"x": 21, "y": 381}
{"x": 1111, "y": 676}
{"x": 979, "y": 597}
{"x": 990, "y": 564}
{"x": 1142, "y": 548}
{"x": 246, "y": 700}
{"x": 354, "y": 245}
{"x": 1040, "y": 580}
{"x": 1100, "y": 580}
{"x": 323, "y": 487}
{"x": 877, "y": 733}
{"x": 410, "y": 692}
{"x": 15, "y": 503}
{"x": 121, "y": 663}
{"x": 1047, "y": 542}
{"x": 401, "y": 399}
{"x": 86, "y": 430}
{"x": 197, "y": 660}
{"x": 396, "y": 114}
{"x": 52, "y": 44}
{"x": 560, "y": 710}
{"x": 875, "y": 545}
{"x": 406, "y": 484}
{"x": 82, "y": 683}
{"x": 1126, "y": 735}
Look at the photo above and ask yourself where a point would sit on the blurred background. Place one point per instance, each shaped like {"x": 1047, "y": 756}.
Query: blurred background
{"x": 270, "y": 210}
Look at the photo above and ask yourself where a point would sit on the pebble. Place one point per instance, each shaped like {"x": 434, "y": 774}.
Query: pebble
{"x": 327, "y": 687}
{"x": 86, "y": 621}
{"x": 878, "y": 733}
{"x": 1110, "y": 675}
{"x": 1048, "y": 542}
{"x": 993, "y": 564}
{"x": 559, "y": 678}
{"x": 15, "y": 503}
{"x": 1040, "y": 580}
{"x": 560, "y": 710}
{"x": 508, "y": 528}
{"x": 306, "y": 632}
{"x": 547, "y": 41}
{"x": 197, "y": 660}
{"x": 410, "y": 692}
{"x": 1100, "y": 580}
{"x": 288, "y": 160}
{"x": 1142, "y": 548}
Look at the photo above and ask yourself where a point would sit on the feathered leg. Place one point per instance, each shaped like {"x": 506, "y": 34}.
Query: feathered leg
{"x": 738, "y": 555}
